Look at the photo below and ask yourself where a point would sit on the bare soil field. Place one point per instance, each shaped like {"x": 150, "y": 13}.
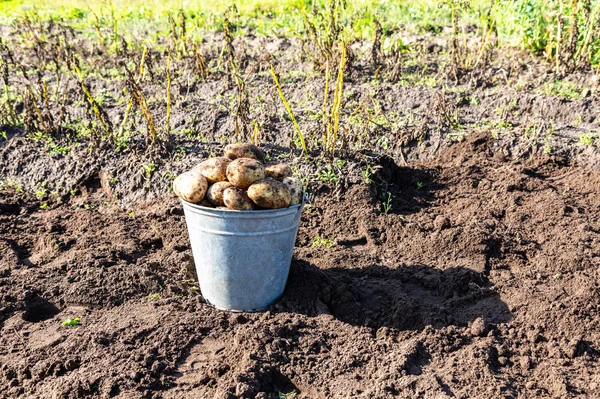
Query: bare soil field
{"x": 466, "y": 265}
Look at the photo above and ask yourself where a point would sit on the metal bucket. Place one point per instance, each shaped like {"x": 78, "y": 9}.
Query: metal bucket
{"x": 242, "y": 257}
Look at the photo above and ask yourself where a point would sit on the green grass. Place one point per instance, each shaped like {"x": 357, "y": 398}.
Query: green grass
{"x": 530, "y": 24}
{"x": 564, "y": 89}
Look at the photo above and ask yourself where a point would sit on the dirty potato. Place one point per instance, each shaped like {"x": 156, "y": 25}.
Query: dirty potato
{"x": 205, "y": 202}
{"x": 214, "y": 169}
{"x": 278, "y": 171}
{"x": 190, "y": 186}
{"x": 270, "y": 193}
{"x": 296, "y": 189}
{"x": 237, "y": 199}
{"x": 242, "y": 172}
{"x": 235, "y": 151}
{"x": 215, "y": 192}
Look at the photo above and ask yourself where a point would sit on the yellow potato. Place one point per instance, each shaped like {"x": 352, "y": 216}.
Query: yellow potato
{"x": 214, "y": 169}
{"x": 278, "y": 171}
{"x": 190, "y": 186}
{"x": 270, "y": 193}
{"x": 237, "y": 199}
{"x": 245, "y": 150}
{"x": 242, "y": 172}
{"x": 215, "y": 192}
{"x": 296, "y": 189}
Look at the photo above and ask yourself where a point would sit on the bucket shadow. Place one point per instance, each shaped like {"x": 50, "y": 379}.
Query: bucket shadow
{"x": 406, "y": 298}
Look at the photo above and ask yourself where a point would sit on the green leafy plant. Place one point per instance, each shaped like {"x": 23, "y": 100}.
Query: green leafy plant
{"x": 71, "y": 322}
{"x": 367, "y": 175}
{"x": 420, "y": 185}
{"x": 327, "y": 175}
{"x": 154, "y": 297}
{"x": 587, "y": 139}
{"x": 323, "y": 242}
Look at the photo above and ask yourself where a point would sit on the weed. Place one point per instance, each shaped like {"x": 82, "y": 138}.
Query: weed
{"x": 587, "y": 139}
{"x": 323, "y": 242}
{"x": 367, "y": 175}
{"x": 149, "y": 168}
{"x": 44, "y": 206}
{"x": 71, "y": 322}
{"x": 420, "y": 185}
{"x": 385, "y": 206}
{"x": 154, "y": 297}
{"x": 41, "y": 192}
{"x": 384, "y": 142}
{"x": 564, "y": 89}
{"x": 288, "y": 395}
{"x": 327, "y": 175}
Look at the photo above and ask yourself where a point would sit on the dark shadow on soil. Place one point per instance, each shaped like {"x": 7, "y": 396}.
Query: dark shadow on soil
{"x": 411, "y": 189}
{"x": 406, "y": 298}
{"x": 39, "y": 309}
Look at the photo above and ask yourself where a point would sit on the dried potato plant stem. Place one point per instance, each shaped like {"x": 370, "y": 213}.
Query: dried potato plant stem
{"x": 289, "y": 109}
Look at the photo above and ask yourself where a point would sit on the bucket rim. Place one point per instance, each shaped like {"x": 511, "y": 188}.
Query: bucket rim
{"x": 240, "y": 212}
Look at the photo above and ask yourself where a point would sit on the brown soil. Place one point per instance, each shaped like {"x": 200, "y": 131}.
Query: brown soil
{"x": 482, "y": 283}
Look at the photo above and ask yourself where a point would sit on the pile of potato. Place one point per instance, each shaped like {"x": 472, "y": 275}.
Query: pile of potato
{"x": 240, "y": 181}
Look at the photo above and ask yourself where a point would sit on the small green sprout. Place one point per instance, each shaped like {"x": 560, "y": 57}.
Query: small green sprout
{"x": 587, "y": 139}
{"x": 386, "y": 203}
{"x": 71, "y": 322}
{"x": 154, "y": 297}
{"x": 420, "y": 185}
{"x": 367, "y": 175}
{"x": 323, "y": 242}
{"x": 287, "y": 395}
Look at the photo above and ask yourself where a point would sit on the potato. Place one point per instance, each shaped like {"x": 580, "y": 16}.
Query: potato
{"x": 242, "y": 172}
{"x": 296, "y": 189}
{"x": 235, "y": 151}
{"x": 205, "y": 202}
{"x": 278, "y": 171}
{"x": 214, "y": 169}
{"x": 190, "y": 186}
{"x": 215, "y": 192}
{"x": 237, "y": 199}
{"x": 270, "y": 193}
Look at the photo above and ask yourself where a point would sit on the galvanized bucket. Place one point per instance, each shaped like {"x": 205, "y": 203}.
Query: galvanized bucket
{"x": 242, "y": 257}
